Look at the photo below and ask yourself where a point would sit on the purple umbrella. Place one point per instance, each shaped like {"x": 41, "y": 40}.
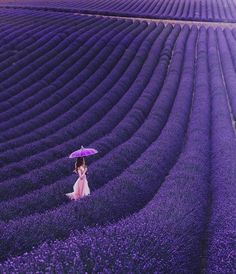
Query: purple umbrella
{"x": 83, "y": 152}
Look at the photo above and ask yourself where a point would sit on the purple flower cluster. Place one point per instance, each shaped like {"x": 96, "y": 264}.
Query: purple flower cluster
{"x": 200, "y": 10}
{"x": 221, "y": 232}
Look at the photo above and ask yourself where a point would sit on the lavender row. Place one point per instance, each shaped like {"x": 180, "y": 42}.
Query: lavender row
{"x": 227, "y": 51}
{"x": 221, "y": 230}
{"x": 229, "y": 35}
{"x": 116, "y": 159}
{"x": 207, "y": 10}
{"x": 132, "y": 189}
{"x": 165, "y": 236}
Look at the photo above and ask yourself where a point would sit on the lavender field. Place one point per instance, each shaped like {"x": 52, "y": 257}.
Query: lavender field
{"x": 157, "y": 100}
{"x": 200, "y": 10}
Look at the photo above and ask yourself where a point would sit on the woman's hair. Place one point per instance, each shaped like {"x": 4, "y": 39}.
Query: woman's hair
{"x": 79, "y": 162}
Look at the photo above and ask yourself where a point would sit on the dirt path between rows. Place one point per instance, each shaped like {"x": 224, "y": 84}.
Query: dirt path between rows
{"x": 167, "y": 21}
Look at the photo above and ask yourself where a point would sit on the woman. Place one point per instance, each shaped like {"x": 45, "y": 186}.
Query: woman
{"x": 80, "y": 187}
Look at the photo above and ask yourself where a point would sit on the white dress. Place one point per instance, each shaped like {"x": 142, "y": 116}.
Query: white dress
{"x": 80, "y": 187}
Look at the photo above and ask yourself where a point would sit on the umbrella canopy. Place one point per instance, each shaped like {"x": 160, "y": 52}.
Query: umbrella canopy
{"x": 83, "y": 152}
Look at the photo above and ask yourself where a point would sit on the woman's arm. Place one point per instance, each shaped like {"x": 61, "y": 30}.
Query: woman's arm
{"x": 85, "y": 170}
{"x": 82, "y": 172}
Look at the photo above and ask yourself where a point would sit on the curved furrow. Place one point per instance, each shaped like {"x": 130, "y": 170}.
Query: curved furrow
{"x": 71, "y": 100}
{"x": 149, "y": 5}
{"x": 16, "y": 27}
{"x": 21, "y": 24}
{"x": 114, "y": 76}
{"x": 40, "y": 59}
{"x": 157, "y": 6}
{"x": 228, "y": 71}
{"x": 10, "y": 38}
{"x": 140, "y": 6}
{"x": 131, "y": 187}
{"x": 36, "y": 55}
{"x": 234, "y": 33}
{"x": 7, "y": 36}
{"x": 191, "y": 11}
{"x": 185, "y": 10}
{"x": 203, "y": 11}
{"x": 166, "y": 234}
{"x": 146, "y": 7}
{"x": 179, "y": 11}
{"x": 23, "y": 17}
{"x": 134, "y": 144}
{"x": 232, "y": 45}
{"x": 116, "y": 94}
{"x": 33, "y": 94}
{"x": 232, "y": 9}
{"x": 221, "y": 230}
{"x": 169, "y": 8}
{"x": 27, "y": 43}
{"x": 56, "y": 97}
{"x": 215, "y": 11}
{"x": 8, "y": 52}
{"x": 163, "y": 8}
{"x": 173, "y": 8}
{"x": 221, "y": 11}
{"x": 209, "y": 10}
